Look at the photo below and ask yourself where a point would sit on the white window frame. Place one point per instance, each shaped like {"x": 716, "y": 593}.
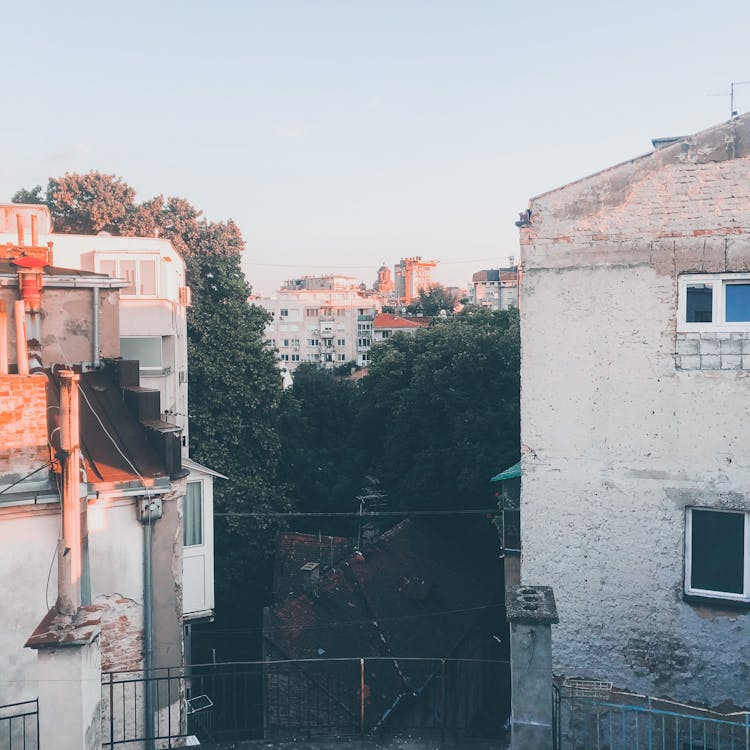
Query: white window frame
{"x": 149, "y": 368}
{"x": 727, "y": 595}
{"x": 718, "y": 282}
{"x": 202, "y": 544}
{"x": 117, "y": 259}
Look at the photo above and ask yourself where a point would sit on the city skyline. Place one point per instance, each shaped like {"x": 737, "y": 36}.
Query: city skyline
{"x": 340, "y": 136}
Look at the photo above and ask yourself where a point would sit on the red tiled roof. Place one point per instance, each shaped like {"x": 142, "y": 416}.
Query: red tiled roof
{"x": 386, "y": 320}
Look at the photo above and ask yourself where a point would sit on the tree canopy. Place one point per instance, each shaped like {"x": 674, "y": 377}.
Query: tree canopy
{"x": 432, "y": 301}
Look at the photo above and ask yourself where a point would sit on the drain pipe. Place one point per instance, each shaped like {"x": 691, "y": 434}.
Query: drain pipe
{"x": 96, "y": 360}
{"x": 149, "y": 511}
{"x": 148, "y": 644}
{"x": 3, "y": 339}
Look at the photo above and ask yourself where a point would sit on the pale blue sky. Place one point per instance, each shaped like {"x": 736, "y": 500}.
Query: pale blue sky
{"x": 341, "y": 133}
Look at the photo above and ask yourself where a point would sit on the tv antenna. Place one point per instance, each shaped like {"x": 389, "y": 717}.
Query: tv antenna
{"x": 732, "y": 84}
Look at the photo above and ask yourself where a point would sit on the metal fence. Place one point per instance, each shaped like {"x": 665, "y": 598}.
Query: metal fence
{"x": 619, "y": 720}
{"x": 19, "y": 726}
{"x": 441, "y": 699}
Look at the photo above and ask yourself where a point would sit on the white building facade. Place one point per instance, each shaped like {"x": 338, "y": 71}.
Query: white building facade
{"x": 324, "y": 320}
{"x": 635, "y": 500}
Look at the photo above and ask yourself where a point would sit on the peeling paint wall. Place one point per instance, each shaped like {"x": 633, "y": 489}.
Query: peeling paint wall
{"x": 618, "y": 438}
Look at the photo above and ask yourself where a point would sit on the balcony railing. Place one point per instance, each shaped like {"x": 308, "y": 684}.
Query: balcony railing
{"x": 19, "y": 725}
{"x": 437, "y": 699}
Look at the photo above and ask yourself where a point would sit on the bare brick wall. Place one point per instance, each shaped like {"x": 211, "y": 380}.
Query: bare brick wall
{"x": 23, "y": 424}
{"x": 122, "y": 633}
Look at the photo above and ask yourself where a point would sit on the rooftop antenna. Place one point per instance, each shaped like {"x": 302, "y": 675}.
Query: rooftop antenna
{"x": 732, "y": 84}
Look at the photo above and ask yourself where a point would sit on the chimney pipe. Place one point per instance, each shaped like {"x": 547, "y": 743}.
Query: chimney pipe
{"x": 3, "y": 339}
{"x": 69, "y": 545}
{"x": 22, "y": 352}
{"x": 19, "y": 228}
{"x": 34, "y": 230}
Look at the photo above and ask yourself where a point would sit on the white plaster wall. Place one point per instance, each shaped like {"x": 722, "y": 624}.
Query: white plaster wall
{"x": 616, "y": 443}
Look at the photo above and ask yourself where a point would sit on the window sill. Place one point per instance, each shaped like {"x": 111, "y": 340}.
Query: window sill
{"x": 732, "y": 606}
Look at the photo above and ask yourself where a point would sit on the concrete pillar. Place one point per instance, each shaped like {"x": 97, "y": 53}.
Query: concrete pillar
{"x": 531, "y": 612}
{"x": 69, "y": 672}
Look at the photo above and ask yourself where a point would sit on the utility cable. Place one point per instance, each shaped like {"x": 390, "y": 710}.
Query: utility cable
{"x": 355, "y": 514}
{"x": 30, "y": 474}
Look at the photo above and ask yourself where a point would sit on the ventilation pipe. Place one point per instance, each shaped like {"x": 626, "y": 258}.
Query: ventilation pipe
{"x": 22, "y": 353}
{"x": 3, "y": 339}
{"x": 96, "y": 358}
{"x": 69, "y": 562}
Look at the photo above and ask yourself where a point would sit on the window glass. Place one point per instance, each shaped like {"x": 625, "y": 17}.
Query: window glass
{"x": 699, "y": 303}
{"x": 193, "y": 515}
{"x": 146, "y": 349}
{"x": 717, "y": 551}
{"x": 148, "y": 278}
{"x": 127, "y": 271}
{"x": 737, "y": 303}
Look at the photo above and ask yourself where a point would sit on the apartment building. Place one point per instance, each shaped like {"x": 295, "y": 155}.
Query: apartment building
{"x": 411, "y": 275}
{"x": 324, "y": 320}
{"x": 496, "y": 288}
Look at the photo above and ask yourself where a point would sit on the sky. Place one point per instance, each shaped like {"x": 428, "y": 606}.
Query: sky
{"x": 341, "y": 134}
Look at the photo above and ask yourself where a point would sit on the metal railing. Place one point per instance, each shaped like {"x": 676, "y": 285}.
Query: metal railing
{"x": 510, "y": 529}
{"x": 308, "y": 698}
{"x": 19, "y": 725}
{"x": 634, "y": 722}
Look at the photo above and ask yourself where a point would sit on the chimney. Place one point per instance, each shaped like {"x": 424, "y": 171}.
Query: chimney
{"x": 69, "y": 553}
{"x": 311, "y": 577}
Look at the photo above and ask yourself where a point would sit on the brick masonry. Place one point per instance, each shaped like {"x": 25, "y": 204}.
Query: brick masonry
{"x": 23, "y": 424}
{"x": 713, "y": 351}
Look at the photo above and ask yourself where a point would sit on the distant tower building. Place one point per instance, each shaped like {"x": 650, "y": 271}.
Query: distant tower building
{"x": 496, "y": 288}
{"x": 412, "y": 274}
{"x": 384, "y": 284}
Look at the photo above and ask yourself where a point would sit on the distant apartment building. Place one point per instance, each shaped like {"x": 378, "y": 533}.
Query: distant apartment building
{"x": 325, "y": 320}
{"x": 412, "y": 275}
{"x": 496, "y": 288}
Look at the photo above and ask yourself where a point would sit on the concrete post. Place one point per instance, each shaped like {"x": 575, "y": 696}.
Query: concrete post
{"x": 69, "y": 673}
{"x": 531, "y": 612}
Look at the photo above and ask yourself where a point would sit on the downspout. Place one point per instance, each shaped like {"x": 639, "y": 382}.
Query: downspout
{"x": 96, "y": 359}
{"x": 148, "y": 648}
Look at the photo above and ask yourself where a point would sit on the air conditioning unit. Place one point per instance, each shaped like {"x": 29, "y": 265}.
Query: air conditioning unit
{"x": 186, "y": 296}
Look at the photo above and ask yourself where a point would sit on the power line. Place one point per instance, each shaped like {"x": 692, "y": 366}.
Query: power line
{"x": 355, "y": 514}
{"x": 362, "y": 621}
{"x": 364, "y": 265}
{"x": 30, "y": 474}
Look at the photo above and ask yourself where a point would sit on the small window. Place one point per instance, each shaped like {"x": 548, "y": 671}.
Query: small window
{"x": 699, "y": 303}
{"x": 714, "y": 302}
{"x": 717, "y": 556}
{"x": 737, "y": 303}
{"x": 147, "y": 278}
{"x": 285, "y": 342}
{"x": 193, "y": 514}
{"x": 146, "y": 349}
{"x": 283, "y": 313}
{"x": 127, "y": 271}
{"x": 295, "y": 357}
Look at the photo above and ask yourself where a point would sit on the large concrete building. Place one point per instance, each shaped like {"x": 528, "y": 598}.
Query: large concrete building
{"x": 326, "y": 320}
{"x": 411, "y": 276}
{"x": 496, "y": 288}
{"x": 635, "y": 501}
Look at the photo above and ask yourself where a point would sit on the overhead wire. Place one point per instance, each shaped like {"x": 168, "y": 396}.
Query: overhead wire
{"x": 356, "y": 514}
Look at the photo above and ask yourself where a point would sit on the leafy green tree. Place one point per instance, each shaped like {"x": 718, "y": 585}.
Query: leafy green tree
{"x": 34, "y": 195}
{"x": 439, "y": 410}
{"x": 320, "y": 460}
{"x": 432, "y": 301}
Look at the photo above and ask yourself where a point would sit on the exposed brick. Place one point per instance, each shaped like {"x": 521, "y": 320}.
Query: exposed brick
{"x": 729, "y": 346}
{"x": 731, "y": 362}
{"x": 710, "y": 362}
{"x": 710, "y": 346}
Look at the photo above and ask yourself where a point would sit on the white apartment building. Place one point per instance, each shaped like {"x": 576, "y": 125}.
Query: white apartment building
{"x": 152, "y": 330}
{"x": 326, "y": 320}
{"x": 496, "y": 288}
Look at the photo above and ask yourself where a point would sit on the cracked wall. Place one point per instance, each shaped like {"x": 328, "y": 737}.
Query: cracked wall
{"x": 619, "y": 437}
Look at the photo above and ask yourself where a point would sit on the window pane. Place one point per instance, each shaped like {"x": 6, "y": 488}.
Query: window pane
{"x": 699, "y": 303}
{"x": 146, "y": 349}
{"x": 127, "y": 271}
{"x": 738, "y": 302}
{"x": 718, "y": 551}
{"x": 193, "y": 515}
{"x": 148, "y": 277}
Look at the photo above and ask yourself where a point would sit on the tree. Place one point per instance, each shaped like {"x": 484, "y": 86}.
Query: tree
{"x": 439, "y": 410}
{"x": 321, "y": 463}
{"x": 432, "y": 301}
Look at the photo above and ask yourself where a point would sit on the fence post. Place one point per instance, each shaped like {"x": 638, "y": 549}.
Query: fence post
{"x": 111, "y": 710}
{"x": 442, "y": 700}
{"x": 362, "y": 697}
{"x": 531, "y": 612}
{"x": 747, "y": 730}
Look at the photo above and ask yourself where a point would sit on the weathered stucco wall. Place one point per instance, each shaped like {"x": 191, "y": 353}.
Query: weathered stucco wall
{"x": 618, "y": 440}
